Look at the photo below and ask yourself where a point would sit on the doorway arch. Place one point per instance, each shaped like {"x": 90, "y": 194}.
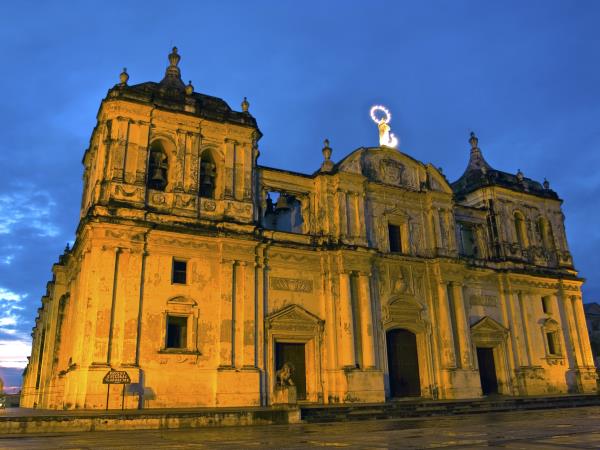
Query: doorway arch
{"x": 403, "y": 363}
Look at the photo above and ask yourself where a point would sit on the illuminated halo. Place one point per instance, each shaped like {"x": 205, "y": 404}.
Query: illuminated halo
{"x": 388, "y": 115}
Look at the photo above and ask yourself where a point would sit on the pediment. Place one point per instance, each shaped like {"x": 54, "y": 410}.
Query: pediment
{"x": 182, "y": 300}
{"x": 550, "y": 324}
{"x": 384, "y": 165}
{"x": 293, "y": 316}
{"x": 487, "y": 325}
{"x": 436, "y": 181}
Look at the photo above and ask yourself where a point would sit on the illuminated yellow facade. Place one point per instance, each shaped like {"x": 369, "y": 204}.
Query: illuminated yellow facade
{"x": 201, "y": 273}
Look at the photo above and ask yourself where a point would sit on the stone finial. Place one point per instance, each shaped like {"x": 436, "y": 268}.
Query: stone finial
{"x": 476, "y": 160}
{"x": 67, "y": 248}
{"x": 245, "y": 105}
{"x": 327, "y": 163}
{"x": 546, "y": 184}
{"x": 174, "y": 57}
{"x": 172, "y": 82}
{"x": 473, "y": 141}
{"x": 189, "y": 89}
{"x": 326, "y": 150}
{"x": 519, "y": 175}
{"x": 124, "y": 77}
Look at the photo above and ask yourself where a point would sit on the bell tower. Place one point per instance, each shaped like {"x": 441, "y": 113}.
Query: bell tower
{"x": 165, "y": 149}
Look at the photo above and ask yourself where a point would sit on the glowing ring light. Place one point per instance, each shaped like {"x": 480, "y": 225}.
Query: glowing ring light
{"x": 388, "y": 115}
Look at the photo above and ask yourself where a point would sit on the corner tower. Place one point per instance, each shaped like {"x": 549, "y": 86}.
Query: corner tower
{"x": 164, "y": 149}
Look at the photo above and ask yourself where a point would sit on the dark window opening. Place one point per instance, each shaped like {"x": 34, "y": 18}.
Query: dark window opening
{"x": 468, "y": 242}
{"x": 179, "y": 275}
{"x": 40, "y": 360}
{"x": 552, "y": 347}
{"x": 176, "y": 332}
{"x": 157, "y": 168}
{"x": 520, "y": 230}
{"x": 546, "y": 305}
{"x": 208, "y": 176}
{"x": 283, "y": 212}
{"x": 394, "y": 236}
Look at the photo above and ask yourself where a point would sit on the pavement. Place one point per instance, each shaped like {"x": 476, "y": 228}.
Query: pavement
{"x": 572, "y": 428}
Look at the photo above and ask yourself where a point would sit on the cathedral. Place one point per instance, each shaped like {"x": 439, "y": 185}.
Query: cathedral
{"x": 198, "y": 275}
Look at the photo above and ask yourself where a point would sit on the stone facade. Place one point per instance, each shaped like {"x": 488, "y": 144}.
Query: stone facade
{"x": 201, "y": 273}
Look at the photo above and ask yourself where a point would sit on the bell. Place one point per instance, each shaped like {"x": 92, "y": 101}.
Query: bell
{"x": 282, "y": 203}
{"x": 158, "y": 176}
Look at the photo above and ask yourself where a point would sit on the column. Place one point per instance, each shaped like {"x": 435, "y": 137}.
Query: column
{"x": 346, "y": 332}
{"x": 238, "y": 170}
{"x": 573, "y": 347}
{"x": 523, "y": 300}
{"x": 249, "y": 316}
{"x": 131, "y": 153}
{"x": 445, "y": 330}
{"x": 142, "y": 151}
{"x": 118, "y": 149}
{"x": 366, "y": 326}
{"x": 102, "y": 285}
{"x": 439, "y": 240}
{"x": 584, "y": 339}
{"x": 229, "y": 169}
{"x": 464, "y": 332}
{"x": 517, "y": 334}
{"x": 512, "y": 349}
{"x": 226, "y": 313}
{"x": 343, "y": 213}
{"x": 237, "y": 307}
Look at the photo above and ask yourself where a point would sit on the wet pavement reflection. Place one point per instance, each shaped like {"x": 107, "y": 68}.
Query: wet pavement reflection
{"x": 574, "y": 428}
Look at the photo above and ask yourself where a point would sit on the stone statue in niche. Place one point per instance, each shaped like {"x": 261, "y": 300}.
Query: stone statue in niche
{"x": 285, "y": 389}
{"x": 284, "y": 375}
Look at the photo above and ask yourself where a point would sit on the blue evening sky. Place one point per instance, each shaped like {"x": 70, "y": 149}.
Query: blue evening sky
{"x": 524, "y": 75}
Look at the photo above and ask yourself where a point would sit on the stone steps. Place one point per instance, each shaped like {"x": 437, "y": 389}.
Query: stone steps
{"x": 425, "y": 408}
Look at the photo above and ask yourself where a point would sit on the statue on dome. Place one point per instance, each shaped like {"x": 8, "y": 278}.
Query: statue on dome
{"x": 386, "y": 138}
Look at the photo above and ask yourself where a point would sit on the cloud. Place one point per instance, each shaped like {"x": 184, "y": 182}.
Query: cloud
{"x": 10, "y": 314}
{"x": 14, "y": 353}
{"x": 27, "y": 207}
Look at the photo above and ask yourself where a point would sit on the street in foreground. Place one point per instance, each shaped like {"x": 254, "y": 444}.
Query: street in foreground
{"x": 556, "y": 429}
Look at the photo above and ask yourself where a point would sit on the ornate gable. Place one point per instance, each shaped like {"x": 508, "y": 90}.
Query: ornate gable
{"x": 294, "y": 317}
{"x": 488, "y": 331}
{"x": 383, "y": 165}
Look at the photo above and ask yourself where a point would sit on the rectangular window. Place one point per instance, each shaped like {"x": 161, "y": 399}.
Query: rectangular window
{"x": 467, "y": 237}
{"x": 176, "y": 332}
{"x": 394, "y": 236}
{"x": 179, "y": 274}
{"x": 552, "y": 347}
{"x": 546, "y": 305}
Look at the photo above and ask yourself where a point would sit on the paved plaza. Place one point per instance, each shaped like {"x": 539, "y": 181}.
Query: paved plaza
{"x": 555, "y": 429}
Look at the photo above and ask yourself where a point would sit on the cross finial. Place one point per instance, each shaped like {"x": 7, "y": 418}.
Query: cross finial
{"x": 174, "y": 57}
{"x": 473, "y": 141}
{"x": 124, "y": 77}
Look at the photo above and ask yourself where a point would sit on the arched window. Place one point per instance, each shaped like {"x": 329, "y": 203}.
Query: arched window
{"x": 208, "y": 175}
{"x": 520, "y": 229}
{"x": 158, "y": 167}
{"x": 545, "y": 230}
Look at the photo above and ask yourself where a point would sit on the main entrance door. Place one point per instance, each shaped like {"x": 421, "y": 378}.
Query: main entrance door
{"x": 403, "y": 363}
{"x": 487, "y": 370}
{"x": 293, "y": 354}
